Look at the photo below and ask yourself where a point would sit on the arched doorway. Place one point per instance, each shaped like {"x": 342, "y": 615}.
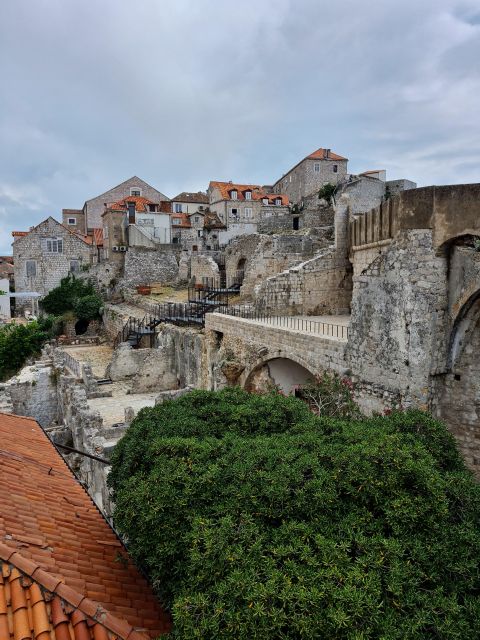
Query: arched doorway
{"x": 280, "y": 373}
{"x": 459, "y": 395}
{"x": 240, "y": 274}
{"x": 81, "y": 327}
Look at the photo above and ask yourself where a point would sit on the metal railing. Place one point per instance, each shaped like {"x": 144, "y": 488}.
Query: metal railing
{"x": 317, "y": 327}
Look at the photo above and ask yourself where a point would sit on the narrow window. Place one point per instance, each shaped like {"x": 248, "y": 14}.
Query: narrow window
{"x": 233, "y": 194}
{"x": 316, "y": 167}
{"x": 278, "y": 201}
{"x": 135, "y": 191}
{"x": 178, "y": 207}
{"x": 199, "y": 233}
{"x": 248, "y": 212}
{"x": 265, "y": 200}
{"x": 131, "y": 212}
{"x": 248, "y": 195}
{"x": 31, "y": 267}
{"x": 197, "y": 219}
{"x": 335, "y": 168}
{"x": 234, "y": 213}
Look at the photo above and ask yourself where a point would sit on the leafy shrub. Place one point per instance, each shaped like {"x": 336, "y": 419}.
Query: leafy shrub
{"x": 327, "y": 192}
{"x": 18, "y": 342}
{"x": 330, "y": 395}
{"x": 68, "y": 296}
{"x": 257, "y": 519}
{"x": 88, "y": 307}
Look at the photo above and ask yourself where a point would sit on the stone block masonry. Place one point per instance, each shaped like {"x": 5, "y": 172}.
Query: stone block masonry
{"x": 145, "y": 266}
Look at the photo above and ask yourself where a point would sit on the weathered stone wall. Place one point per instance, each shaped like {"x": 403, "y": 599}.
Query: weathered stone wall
{"x": 203, "y": 266}
{"x": 363, "y": 193}
{"x": 144, "y": 266}
{"x": 49, "y": 267}
{"x": 259, "y": 255}
{"x": 148, "y": 369}
{"x": 303, "y": 180}
{"x": 319, "y": 286}
{"x": 397, "y": 332}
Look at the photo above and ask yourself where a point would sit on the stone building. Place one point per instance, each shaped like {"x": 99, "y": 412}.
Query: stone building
{"x": 311, "y": 173}
{"x": 187, "y": 202}
{"x": 47, "y": 253}
{"x": 241, "y": 206}
{"x": 90, "y": 216}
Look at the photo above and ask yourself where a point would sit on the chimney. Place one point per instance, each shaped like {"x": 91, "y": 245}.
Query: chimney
{"x": 327, "y": 153}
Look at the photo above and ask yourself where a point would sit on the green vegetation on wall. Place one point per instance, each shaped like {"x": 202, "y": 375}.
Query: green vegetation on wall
{"x": 256, "y": 518}
{"x": 75, "y": 295}
{"x": 18, "y": 342}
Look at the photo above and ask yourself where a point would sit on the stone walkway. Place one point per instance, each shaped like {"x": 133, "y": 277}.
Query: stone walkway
{"x": 112, "y": 409}
{"x": 98, "y": 356}
{"x": 333, "y": 327}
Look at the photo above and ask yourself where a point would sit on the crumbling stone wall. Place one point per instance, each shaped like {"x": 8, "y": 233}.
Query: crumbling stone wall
{"x": 203, "y": 266}
{"x": 397, "y": 333}
{"x": 148, "y": 369}
{"x": 319, "y": 286}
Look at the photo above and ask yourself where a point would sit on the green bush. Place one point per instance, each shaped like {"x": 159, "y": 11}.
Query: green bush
{"x": 18, "y": 342}
{"x": 257, "y": 519}
{"x": 327, "y": 192}
{"x": 71, "y": 295}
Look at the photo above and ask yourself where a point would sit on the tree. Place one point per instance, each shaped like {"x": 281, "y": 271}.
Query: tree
{"x": 20, "y": 342}
{"x": 73, "y": 294}
{"x": 257, "y": 519}
{"x": 327, "y": 192}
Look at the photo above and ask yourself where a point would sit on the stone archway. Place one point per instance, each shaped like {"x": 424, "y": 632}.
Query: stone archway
{"x": 240, "y": 271}
{"x": 282, "y": 373}
{"x": 81, "y": 327}
{"x": 459, "y": 395}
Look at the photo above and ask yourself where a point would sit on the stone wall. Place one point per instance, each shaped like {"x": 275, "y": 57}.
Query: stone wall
{"x": 397, "y": 331}
{"x": 46, "y": 268}
{"x": 319, "y": 286}
{"x": 144, "y": 266}
{"x": 303, "y": 179}
{"x": 148, "y": 369}
{"x": 203, "y": 266}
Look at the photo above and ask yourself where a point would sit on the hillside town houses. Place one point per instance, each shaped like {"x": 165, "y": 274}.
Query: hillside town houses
{"x": 135, "y": 216}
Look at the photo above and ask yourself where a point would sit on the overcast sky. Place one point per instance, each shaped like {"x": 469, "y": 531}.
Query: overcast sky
{"x": 181, "y": 92}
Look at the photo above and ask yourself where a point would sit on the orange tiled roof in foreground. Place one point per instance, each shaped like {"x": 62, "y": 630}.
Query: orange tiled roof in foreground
{"x": 63, "y": 566}
{"x": 258, "y": 193}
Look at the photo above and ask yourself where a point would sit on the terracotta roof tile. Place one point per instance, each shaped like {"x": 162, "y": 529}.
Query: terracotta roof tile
{"x": 325, "y": 154}
{"x": 140, "y": 203}
{"x": 258, "y": 192}
{"x": 49, "y": 536}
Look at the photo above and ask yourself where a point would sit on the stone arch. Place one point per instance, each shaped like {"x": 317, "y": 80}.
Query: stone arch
{"x": 81, "y": 327}
{"x": 459, "y": 391}
{"x": 280, "y": 371}
{"x": 240, "y": 270}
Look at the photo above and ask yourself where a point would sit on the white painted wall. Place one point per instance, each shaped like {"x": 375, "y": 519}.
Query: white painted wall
{"x": 156, "y": 225}
{"x": 4, "y": 300}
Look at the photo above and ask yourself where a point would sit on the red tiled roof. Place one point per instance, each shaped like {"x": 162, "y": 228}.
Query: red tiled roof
{"x": 61, "y": 542}
{"x": 166, "y": 206}
{"x": 321, "y": 154}
{"x": 19, "y": 234}
{"x": 258, "y": 193}
{"x": 186, "y": 196}
{"x": 140, "y": 203}
{"x": 98, "y": 237}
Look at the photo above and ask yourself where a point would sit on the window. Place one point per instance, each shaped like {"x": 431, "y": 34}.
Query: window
{"x": 178, "y": 207}
{"x": 233, "y": 194}
{"x": 152, "y": 207}
{"x": 278, "y": 201}
{"x": 248, "y": 195}
{"x": 199, "y": 234}
{"x": 135, "y": 191}
{"x": 53, "y": 245}
{"x": 105, "y": 233}
{"x": 248, "y": 212}
{"x": 335, "y": 168}
{"x": 290, "y": 179}
{"x": 131, "y": 212}
{"x": 234, "y": 213}
{"x": 316, "y": 167}
{"x": 197, "y": 219}
{"x": 74, "y": 266}
{"x": 72, "y": 221}
{"x": 201, "y": 207}
{"x": 265, "y": 200}
{"x": 176, "y": 221}
{"x": 31, "y": 268}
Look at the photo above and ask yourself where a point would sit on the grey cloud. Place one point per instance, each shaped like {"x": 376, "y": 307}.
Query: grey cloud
{"x": 184, "y": 91}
